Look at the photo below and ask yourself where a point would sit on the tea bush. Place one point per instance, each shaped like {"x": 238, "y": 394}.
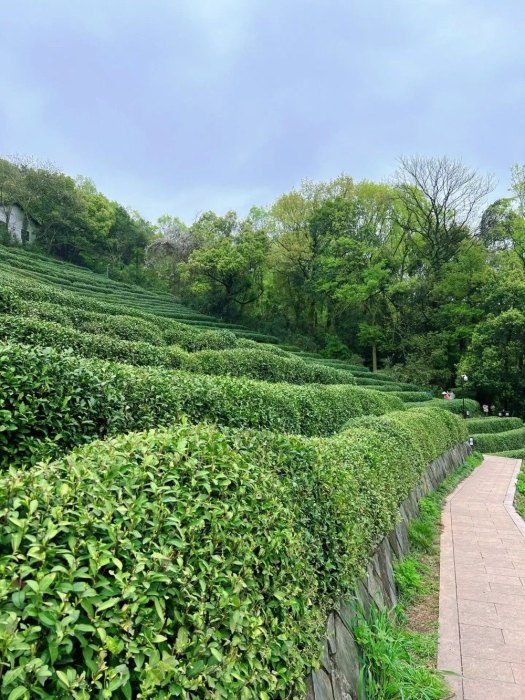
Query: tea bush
{"x": 261, "y": 364}
{"x": 495, "y": 442}
{"x": 51, "y": 401}
{"x": 413, "y": 396}
{"x": 452, "y": 405}
{"x": 256, "y": 364}
{"x": 493, "y": 425}
{"x": 46, "y": 303}
{"x": 46, "y": 333}
{"x": 517, "y": 454}
{"x": 193, "y": 563}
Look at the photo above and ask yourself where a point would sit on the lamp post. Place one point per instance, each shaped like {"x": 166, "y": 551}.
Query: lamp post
{"x": 464, "y": 379}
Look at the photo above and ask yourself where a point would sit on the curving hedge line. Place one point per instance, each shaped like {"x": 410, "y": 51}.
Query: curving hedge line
{"x": 452, "y": 405}
{"x": 197, "y": 563}
{"x": 241, "y": 362}
{"x": 53, "y": 400}
{"x": 413, "y": 396}
{"x": 261, "y": 364}
{"x": 517, "y": 454}
{"x": 35, "y": 292}
{"x": 493, "y": 425}
{"x": 496, "y": 442}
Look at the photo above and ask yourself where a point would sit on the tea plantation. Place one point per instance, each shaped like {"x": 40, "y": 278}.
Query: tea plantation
{"x": 182, "y": 500}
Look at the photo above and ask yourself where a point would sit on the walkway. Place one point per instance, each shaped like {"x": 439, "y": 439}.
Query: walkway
{"x": 482, "y": 586}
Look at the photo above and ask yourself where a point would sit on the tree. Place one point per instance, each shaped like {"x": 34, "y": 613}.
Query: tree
{"x": 225, "y": 274}
{"x": 353, "y": 272}
{"x": 298, "y": 243}
{"x": 495, "y": 361}
{"x": 440, "y": 204}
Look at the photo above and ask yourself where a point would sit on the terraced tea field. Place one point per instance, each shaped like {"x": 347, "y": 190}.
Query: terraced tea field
{"x": 182, "y": 500}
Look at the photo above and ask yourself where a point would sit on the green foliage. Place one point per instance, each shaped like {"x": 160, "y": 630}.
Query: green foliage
{"x": 421, "y": 535}
{"x": 261, "y": 364}
{"x": 53, "y": 400}
{"x": 495, "y": 359}
{"x": 493, "y": 425}
{"x": 519, "y": 500}
{"x": 413, "y": 396}
{"x": 518, "y": 454}
{"x": 392, "y": 665}
{"x": 495, "y": 442}
{"x": 451, "y": 405}
{"x": 167, "y": 564}
{"x": 190, "y": 560}
{"x": 409, "y": 579}
{"x": 253, "y": 363}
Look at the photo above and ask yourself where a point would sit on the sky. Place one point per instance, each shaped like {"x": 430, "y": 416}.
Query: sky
{"x": 181, "y": 106}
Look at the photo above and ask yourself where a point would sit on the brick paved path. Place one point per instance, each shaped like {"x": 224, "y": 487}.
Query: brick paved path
{"x": 482, "y": 586}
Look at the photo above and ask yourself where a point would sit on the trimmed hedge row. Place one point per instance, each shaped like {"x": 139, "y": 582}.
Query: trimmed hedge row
{"x": 517, "y": 454}
{"x": 452, "y": 405}
{"x": 413, "y": 396}
{"x": 60, "y": 270}
{"x": 36, "y": 291}
{"x": 340, "y": 364}
{"x": 493, "y": 425}
{"x": 192, "y": 335}
{"x": 122, "y": 327}
{"x": 261, "y": 364}
{"x": 495, "y": 442}
{"x": 253, "y": 363}
{"x": 52, "y": 401}
{"x": 112, "y": 320}
{"x": 195, "y": 563}
{"x": 46, "y": 333}
{"x": 371, "y": 380}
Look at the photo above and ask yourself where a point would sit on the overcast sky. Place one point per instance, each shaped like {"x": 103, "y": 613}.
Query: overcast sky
{"x": 179, "y": 106}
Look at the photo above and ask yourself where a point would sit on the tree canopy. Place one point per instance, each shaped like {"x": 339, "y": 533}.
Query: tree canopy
{"x": 422, "y": 275}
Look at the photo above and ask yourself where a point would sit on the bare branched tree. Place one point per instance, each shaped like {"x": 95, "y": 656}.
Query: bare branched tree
{"x": 441, "y": 202}
{"x": 175, "y": 244}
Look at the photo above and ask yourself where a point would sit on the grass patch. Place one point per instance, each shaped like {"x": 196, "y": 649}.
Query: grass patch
{"x": 396, "y": 661}
{"x": 398, "y": 648}
{"x": 519, "y": 499}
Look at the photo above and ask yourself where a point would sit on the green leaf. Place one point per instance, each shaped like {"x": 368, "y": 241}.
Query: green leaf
{"x": 19, "y": 693}
{"x": 182, "y": 639}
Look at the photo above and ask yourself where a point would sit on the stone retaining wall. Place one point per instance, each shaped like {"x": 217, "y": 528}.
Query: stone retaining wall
{"x": 337, "y": 678}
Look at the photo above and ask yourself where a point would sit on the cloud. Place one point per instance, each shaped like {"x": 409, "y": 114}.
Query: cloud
{"x": 187, "y": 105}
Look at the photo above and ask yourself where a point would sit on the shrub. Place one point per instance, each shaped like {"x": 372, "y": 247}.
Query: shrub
{"x": 495, "y": 442}
{"x": 413, "y": 396}
{"x": 261, "y": 364}
{"x": 197, "y": 562}
{"x": 274, "y": 349}
{"x": 452, "y": 405}
{"x": 517, "y": 454}
{"x": 52, "y": 401}
{"x": 167, "y": 565}
{"x": 46, "y": 333}
{"x": 256, "y": 364}
{"x": 9, "y": 300}
{"x": 122, "y": 327}
{"x": 493, "y": 425}
{"x": 193, "y": 339}
{"x": 173, "y": 331}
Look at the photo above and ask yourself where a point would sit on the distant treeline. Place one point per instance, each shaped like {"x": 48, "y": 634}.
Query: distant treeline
{"x": 423, "y": 275}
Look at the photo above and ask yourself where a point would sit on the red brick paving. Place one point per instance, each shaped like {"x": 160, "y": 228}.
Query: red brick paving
{"x": 482, "y": 586}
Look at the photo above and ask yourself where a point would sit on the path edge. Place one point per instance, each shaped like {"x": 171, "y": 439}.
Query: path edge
{"x": 449, "y": 648}
{"x": 509, "y": 500}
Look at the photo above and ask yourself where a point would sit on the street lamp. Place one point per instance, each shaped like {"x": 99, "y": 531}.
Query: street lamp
{"x": 464, "y": 379}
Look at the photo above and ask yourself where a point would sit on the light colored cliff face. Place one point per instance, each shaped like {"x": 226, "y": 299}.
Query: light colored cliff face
{"x": 13, "y": 216}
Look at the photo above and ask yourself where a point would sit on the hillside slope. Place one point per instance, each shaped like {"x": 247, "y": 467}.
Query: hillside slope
{"x": 181, "y": 505}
